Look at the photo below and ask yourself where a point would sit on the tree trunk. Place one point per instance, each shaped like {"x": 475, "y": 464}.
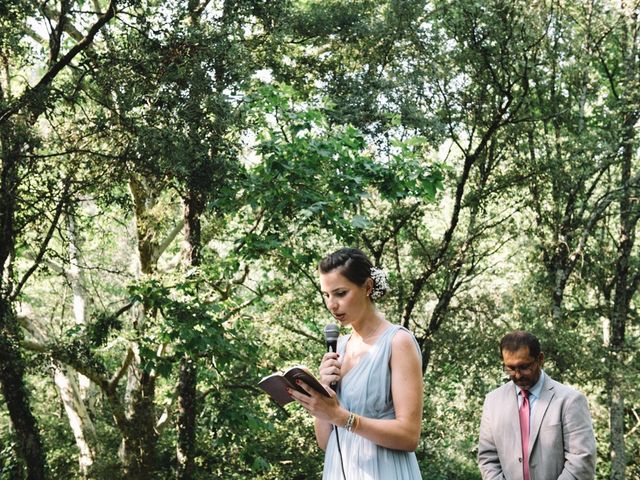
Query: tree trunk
{"x": 617, "y": 368}
{"x": 624, "y": 283}
{"x": 77, "y": 414}
{"x": 620, "y": 309}
{"x": 138, "y": 448}
{"x": 187, "y": 389}
{"x": 78, "y": 396}
{"x": 76, "y": 280}
{"x": 187, "y": 405}
{"x": 616, "y": 417}
{"x": 30, "y": 448}
{"x": 79, "y": 421}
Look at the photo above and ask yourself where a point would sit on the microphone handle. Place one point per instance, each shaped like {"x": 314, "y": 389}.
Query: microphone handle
{"x": 332, "y": 347}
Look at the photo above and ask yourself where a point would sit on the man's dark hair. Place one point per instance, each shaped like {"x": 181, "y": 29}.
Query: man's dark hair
{"x": 514, "y": 341}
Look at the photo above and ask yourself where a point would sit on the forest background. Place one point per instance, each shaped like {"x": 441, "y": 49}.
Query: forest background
{"x": 172, "y": 171}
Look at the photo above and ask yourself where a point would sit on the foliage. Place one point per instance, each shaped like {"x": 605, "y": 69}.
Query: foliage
{"x": 484, "y": 153}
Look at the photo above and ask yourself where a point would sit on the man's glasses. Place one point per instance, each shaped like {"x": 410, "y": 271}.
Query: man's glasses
{"x": 524, "y": 369}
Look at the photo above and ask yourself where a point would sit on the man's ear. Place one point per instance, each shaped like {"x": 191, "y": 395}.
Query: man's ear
{"x": 541, "y": 359}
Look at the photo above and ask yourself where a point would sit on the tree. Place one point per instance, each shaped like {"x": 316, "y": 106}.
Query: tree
{"x": 17, "y": 113}
{"x": 182, "y": 174}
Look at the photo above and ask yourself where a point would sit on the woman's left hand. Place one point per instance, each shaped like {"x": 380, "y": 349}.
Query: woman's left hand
{"x": 321, "y": 407}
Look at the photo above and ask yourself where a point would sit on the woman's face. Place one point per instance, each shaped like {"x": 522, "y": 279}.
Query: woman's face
{"x": 346, "y": 301}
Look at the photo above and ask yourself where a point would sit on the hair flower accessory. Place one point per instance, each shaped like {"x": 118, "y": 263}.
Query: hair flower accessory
{"x": 380, "y": 283}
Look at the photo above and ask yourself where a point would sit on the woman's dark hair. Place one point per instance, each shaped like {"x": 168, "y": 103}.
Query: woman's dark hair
{"x": 514, "y": 341}
{"x": 352, "y": 263}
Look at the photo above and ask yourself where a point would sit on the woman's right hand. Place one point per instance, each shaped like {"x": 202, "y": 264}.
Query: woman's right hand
{"x": 330, "y": 369}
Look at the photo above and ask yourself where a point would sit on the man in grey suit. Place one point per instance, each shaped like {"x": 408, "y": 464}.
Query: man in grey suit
{"x": 534, "y": 428}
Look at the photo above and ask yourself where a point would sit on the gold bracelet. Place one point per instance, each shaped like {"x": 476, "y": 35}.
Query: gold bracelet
{"x": 349, "y": 425}
{"x": 356, "y": 424}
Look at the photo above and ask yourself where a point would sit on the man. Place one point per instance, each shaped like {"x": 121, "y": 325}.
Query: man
{"x": 534, "y": 428}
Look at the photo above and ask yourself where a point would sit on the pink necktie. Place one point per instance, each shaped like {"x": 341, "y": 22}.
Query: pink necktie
{"x": 524, "y": 432}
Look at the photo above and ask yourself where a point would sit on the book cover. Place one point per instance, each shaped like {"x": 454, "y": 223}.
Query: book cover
{"x": 277, "y": 383}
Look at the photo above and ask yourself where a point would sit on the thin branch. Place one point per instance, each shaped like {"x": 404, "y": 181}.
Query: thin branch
{"x": 123, "y": 368}
{"x": 83, "y": 151}
{"x": 30, "y": 94}
{"x": 470, "y": 160}
{"x": 239, "y": 308}
{"x": 259, "y": 217}
{"x": 67, "y": 26}
{"x": 57, "y": 354}
{"x": 302, "y": 333}
{"x": 34, "y": 35}
{"x": 160, "y": 249}
{"x": 168, "y": 411}
{"x": 53, "y": 266}
{"x": 123, "y": 309}
{"x": 45, "y": 243}
{"x": 635, "y": 427}
{"x": 34, "y": 346}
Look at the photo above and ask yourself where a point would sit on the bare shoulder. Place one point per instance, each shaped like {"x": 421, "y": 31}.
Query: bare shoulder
{"x": 406, "y": 359}
{"x": 403, "y": 338}
{"x": 404, "y": 343}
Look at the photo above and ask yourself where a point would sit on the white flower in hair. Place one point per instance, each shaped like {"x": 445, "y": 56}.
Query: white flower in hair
{"x": 380, "y": 283}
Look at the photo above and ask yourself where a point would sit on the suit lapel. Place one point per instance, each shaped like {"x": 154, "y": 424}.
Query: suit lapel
{"x": 546, "y": 395}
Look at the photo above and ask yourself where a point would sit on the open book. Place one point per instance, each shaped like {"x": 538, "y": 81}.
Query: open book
{"x": 277, "y": 383}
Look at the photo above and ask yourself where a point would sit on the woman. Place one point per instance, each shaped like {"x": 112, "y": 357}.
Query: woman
{"x": 370, "y": 427}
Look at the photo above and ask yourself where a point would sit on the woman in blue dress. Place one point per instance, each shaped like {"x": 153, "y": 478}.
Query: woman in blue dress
{"x": 370, "y": 426}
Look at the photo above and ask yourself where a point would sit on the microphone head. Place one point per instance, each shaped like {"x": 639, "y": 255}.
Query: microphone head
{"x": 331, "y": 332}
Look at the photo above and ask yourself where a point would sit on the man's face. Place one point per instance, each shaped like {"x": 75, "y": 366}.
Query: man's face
{"x": 522, "y": 368}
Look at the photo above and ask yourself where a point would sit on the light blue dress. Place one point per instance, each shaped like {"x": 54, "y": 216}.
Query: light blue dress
{"x": 366, "y": 391}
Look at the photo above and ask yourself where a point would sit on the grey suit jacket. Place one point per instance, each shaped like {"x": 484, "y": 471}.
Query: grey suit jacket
{"x": 561, "y": 444}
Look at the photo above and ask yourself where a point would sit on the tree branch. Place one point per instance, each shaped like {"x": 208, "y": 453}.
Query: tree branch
{"x": 123, "y": 368}
{"x": 160, "y": 249}
{"x": 29, "y": 95}
{"x": 45, "y": 243}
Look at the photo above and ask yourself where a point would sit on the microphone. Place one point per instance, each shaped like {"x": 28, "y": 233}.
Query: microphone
{"x": 331, "y": 333}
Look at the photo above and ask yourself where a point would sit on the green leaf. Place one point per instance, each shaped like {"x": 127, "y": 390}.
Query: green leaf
{"x": 360, "y": 222}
